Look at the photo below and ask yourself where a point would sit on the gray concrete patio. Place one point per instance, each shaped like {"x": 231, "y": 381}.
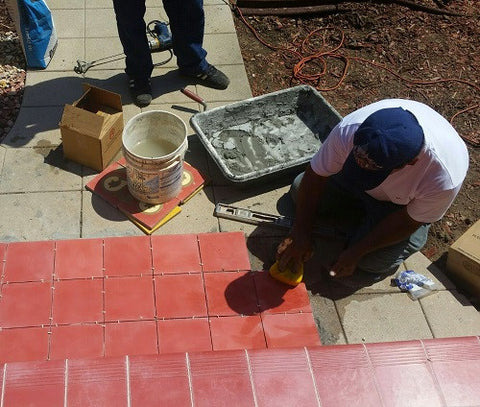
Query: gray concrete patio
{"x": 43, "y": 196}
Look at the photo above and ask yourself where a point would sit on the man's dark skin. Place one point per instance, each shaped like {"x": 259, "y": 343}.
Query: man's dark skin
{"x": 297, "y": 248}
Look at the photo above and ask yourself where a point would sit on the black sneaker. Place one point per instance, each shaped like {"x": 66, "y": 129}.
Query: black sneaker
{"x": 211, "y": 78}
{"x": 141, "y": 91}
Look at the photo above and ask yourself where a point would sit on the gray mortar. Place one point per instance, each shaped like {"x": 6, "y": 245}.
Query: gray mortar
{"x": 268, "y": 133}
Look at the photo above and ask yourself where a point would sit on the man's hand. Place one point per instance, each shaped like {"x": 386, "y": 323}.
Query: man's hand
{"x": 293, "y": 252}
{"x": 345, "y": 264}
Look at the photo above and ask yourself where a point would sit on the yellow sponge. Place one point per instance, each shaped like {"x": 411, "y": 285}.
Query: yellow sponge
{"x": 287, "y": 276}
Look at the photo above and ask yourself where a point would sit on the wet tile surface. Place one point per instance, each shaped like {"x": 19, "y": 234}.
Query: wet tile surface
{"x": 113, "y": 331}
{"x": 108, "y": 297}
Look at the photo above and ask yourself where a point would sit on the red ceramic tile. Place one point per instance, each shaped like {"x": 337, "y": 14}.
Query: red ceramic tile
{"x": 35, "y": 384}
{"x": 129, "y": 298}
{"x": 230, "y": 293}
{"x": 29, "y": 261}
{"x": 275, "y": 297}
{"x": 223, "y": 251}
{"x": 25, "y": 304}
{"x": 77, "y": 301}
{"x": 403, "y": 365}
{"x": 237, "y": 333}
{"x": 175, "y": 254}
{"x": 456, "y": 366}
{"x": 287, "y": 330}
{"x": 131, "y": 338}
{"x": 343, "y": 376}
{"x": 221, "y": 379}
{"x": 180, "y": 296}
{"x": 76, "y": 341}
{"x": 282, "y": 378}
{"x": 184, "y": 335}
{"x": 97, "y": 382}
{"x": 128, "y": 256}
{"x": 159, "y": 381}
{"x": 79, "y": 258}
{"x": 3, "y": 251}
{"x": 23, "y": 344}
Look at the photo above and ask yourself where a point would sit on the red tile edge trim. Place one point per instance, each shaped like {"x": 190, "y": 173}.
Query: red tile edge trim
{"x": 264, "y": 375}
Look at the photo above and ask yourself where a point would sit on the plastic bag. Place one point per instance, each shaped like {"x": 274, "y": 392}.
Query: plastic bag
{"x": 416, "y": 285}
{"x": 34, "y": 25}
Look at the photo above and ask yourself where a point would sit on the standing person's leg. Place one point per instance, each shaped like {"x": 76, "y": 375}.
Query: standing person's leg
{"x": 187, "y": 24}
{"x": 132, "y": 33}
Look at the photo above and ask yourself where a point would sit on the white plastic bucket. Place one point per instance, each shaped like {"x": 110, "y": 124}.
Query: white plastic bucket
{"x": 154, "y": 144}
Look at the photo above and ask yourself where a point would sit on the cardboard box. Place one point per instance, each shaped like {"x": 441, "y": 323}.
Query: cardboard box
{"x": 463, "y": 262}
{"x": 92, "y": 127}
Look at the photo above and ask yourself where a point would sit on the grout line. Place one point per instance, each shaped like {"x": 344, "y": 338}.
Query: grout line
{"x": 431, "y": 370}
{"x": 250, "y": 376}
{"x": 310, "y": 368}
{"x": 4, "y": 379}
{"x": 189, "y": 374}
{"x": 65, "y": 394}
{"x": 372, "y": 371}
{"x": 127, "y": 368}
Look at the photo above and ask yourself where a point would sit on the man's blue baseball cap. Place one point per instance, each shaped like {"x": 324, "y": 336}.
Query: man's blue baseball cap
{"x": 387, "y": 139}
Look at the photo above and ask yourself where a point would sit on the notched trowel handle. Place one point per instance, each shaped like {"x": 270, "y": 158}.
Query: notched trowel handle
{"x": 194, "y": 97}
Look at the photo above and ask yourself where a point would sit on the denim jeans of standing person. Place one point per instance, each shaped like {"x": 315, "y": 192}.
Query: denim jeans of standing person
{"x": 338, "y": 201}
{"x": 187, "y": 23}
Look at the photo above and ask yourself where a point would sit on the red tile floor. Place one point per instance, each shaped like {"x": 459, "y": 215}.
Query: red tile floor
{"x": 133, "y": 321}
{"x": 143, "y": 295}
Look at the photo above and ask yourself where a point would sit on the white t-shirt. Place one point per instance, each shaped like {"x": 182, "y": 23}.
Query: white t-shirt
{"x": 428, "y": 187}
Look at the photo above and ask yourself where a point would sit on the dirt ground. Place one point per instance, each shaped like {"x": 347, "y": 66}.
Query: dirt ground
{"x": 371, "y": 51}
{"x": 364, "y": 52}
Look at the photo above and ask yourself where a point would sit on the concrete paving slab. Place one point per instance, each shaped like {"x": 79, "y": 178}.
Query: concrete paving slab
{"x": 35, "y": 127}
{"x": 155, "y": 12}
{"x": 218, "y": 19}
{"x": 259, "y": 199}
{"x": 382, "y": 318}
{"x": 196, "y": 216}
{"x": 43, "y": 88}
{"x": 223, "y": 49}
{"x": 98, "y": 3}
{"x": 102, "y": 48}
{"x": 66, "y": 55}
{"x": 99, "y": 219}
{"x": 327, "y": 320}
{"x": 421, "y": 264}
{"x": 185, "y": 111}
{"x": 450, "y": 314}
{"x": 40, "y": 216}
{"x": 69, "y": 23}
{"x": 67, "y": 4}
{"x": 38, "y": 170}
{"x": 100, "y": 22}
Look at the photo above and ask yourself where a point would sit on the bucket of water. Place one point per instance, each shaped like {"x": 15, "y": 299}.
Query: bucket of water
{"x": 154, "y": 144}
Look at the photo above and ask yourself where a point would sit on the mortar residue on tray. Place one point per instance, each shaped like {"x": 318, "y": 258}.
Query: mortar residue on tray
{"x": 265, "y": 143}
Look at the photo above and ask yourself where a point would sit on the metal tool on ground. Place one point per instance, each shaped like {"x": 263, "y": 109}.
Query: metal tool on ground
{"x": 265, "y": 219}
{"x": 195, "y": 97}
{"x": 159, "y": 39}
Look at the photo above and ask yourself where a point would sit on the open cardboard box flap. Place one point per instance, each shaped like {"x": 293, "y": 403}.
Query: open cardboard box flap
{"x": 92, "y": 126}
{"x": 93, "y": 112}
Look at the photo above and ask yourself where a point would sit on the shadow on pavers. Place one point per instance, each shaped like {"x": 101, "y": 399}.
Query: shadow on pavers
{"x": 55, "y": 93}
{"x": 316, "y": 278}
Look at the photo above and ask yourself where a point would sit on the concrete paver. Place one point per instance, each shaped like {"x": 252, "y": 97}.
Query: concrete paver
{"x": 43, "y": 199}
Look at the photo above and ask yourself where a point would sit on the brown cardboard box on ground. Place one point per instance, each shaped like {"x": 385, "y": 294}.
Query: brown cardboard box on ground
{"x": 92, "y": 128}
{"x": 463, "y": 262}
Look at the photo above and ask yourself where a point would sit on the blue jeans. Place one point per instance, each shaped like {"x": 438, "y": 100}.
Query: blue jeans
{"x": 337, "y": 200}
{"x": 187, "y": 24}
